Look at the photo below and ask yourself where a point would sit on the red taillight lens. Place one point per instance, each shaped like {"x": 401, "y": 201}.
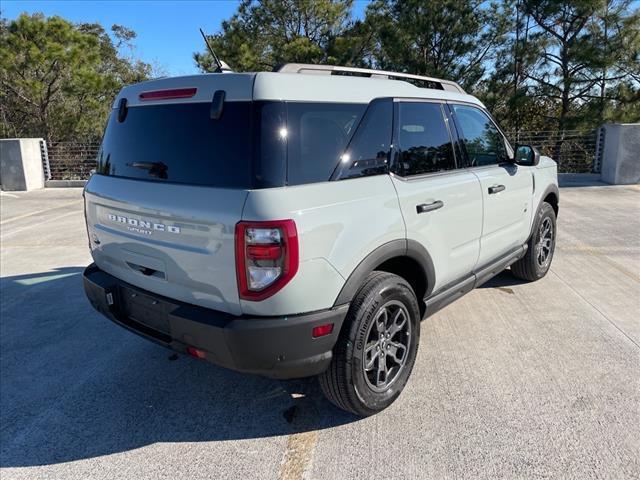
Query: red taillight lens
{"x": 168, "y": 94}
{"x": 266, "y": 257}
{"x": 264, "y": 252}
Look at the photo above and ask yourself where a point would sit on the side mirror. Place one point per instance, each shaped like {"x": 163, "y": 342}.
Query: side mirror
{"x": 527, "y": 155}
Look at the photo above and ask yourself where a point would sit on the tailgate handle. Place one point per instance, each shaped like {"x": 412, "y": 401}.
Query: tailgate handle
{"x": 146, "y": 271}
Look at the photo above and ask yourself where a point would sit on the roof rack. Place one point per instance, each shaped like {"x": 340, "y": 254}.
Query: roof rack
{"x": 311, "y": 69}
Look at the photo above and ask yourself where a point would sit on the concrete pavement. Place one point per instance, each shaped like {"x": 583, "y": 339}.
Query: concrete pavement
{"x": 512, "y": 381}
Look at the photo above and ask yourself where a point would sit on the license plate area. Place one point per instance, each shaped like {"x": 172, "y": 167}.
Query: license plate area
{"x": 144, "y": 309}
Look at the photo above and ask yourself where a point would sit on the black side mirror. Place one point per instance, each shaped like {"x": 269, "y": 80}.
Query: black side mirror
{"x": 527, "y": 155}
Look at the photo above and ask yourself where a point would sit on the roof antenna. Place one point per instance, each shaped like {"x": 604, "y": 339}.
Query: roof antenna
{"x": 216, "y": 60}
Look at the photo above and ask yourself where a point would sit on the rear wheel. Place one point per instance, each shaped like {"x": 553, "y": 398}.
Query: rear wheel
{"x": 541, "y": 246}
{"x": 377, "y": 347}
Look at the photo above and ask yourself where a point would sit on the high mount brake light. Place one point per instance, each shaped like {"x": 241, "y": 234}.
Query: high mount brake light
{"x": 168, "y": 94}
{"x": 266, "y": 257}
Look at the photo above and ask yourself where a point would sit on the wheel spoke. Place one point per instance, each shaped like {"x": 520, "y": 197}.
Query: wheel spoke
{"x": 370, "y": 355}
{"x": 381, "y": 377}
{"x": 381, "y": 320}
{"x": 395, "y": 326}
{"x": 396, "y": 352}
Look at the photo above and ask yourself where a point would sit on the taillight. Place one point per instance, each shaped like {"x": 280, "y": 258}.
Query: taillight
{"x": 266, "y": 257}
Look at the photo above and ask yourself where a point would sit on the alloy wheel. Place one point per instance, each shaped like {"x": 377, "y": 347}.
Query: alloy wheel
{"x": 545, "y": 243}
{"x": 387, "y": 347}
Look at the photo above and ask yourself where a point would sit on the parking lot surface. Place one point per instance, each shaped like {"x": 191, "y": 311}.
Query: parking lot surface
{"x": 514, "y": 380}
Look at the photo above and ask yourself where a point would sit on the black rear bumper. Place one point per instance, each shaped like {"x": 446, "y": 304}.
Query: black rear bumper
{"x": 277, "y": 347}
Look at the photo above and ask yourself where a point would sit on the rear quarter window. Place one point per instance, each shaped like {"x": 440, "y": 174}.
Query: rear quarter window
{"x": 317, "y": 134}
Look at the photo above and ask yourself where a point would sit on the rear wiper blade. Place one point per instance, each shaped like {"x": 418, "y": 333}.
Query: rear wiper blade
{"x": 155, "y": 169}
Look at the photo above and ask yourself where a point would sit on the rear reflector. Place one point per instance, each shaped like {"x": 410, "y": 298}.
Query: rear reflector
{"x": 194, "y": 352}
{"x": 264, "y": 252}
{"x": 168, "y": 94}
{"x": 322, "y": 330}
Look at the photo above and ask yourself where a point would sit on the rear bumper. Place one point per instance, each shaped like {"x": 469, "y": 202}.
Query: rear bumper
{"x": 277, "y": 347}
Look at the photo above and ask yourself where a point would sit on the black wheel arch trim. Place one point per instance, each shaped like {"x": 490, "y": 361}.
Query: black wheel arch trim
{"x": 387, "y": 251}
{"x": 553, "y": 188}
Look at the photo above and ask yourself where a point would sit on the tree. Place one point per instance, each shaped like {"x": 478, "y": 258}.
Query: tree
{"x": 443, "y": 38}
{"x": 263, "y": 35}
{"x": 566, "y": 65}
{"x": 616, "y": 31}
{"x": 58, "y": 79}
{"x": 563, "y": 53}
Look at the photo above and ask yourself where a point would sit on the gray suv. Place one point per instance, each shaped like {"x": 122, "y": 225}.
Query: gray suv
{"x": 303, "y": 222}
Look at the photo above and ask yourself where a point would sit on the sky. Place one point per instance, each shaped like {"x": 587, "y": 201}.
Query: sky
{"x": 167, "y": 30}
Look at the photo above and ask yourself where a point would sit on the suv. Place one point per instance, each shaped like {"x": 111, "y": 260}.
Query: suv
{"x": 303, "y": 222}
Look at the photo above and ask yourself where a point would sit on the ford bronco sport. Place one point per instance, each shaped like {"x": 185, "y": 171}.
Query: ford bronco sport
{"x": 303, "y": 222}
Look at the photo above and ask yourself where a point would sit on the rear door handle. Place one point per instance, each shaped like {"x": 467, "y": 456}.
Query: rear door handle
{"x": 429, "y": 207}
{"x": 496, "y": 189}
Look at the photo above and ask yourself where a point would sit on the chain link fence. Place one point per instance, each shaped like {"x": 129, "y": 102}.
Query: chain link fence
{"x": 575, "y": 151}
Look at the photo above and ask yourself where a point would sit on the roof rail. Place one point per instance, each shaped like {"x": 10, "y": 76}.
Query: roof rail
{"x": 311, "y": 69}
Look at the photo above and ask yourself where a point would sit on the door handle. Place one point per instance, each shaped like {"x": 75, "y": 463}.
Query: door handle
{"x": 429, "y": 207}
{"x": 496, "y": 189}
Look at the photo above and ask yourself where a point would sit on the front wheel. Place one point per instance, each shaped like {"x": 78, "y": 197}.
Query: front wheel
{"x": 377, "y": 347}
{"x": 541, "y": 246}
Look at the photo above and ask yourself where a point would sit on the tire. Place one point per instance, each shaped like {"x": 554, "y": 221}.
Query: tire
{"x": 364, "y": 344}
{"x": 537, "y": 261}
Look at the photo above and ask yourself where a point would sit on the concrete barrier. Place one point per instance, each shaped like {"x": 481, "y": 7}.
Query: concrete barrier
{"x": 21, "y": 164}
{"x": 621, "y": 153}
{"x": 65, "y": 183}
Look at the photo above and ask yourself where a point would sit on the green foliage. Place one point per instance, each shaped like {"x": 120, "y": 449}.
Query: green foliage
{"x": 265, "y": 34}
{"x": 58, "y": 79}
{"x": 569, "y": 64}
{"x": 443, "y": 38}
{"x": 537, "y": 64}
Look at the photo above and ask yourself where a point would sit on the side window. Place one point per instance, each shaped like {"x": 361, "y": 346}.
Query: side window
{"x": 424, "y": 143}
{"x": 317, "y": 134}
{"x": 368, "y": 151}
{"x": 484, "y": 143}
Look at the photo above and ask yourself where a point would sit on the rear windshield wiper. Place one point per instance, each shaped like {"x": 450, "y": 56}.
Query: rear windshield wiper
{"x": 155, "y": 169}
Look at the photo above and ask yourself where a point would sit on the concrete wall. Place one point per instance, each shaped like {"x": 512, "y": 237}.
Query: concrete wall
{"x": 21, "y": 164}
{"x": 621, "y": 154}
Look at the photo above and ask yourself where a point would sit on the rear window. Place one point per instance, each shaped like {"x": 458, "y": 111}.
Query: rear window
{"x": 180, "y": 143}
{"x": 252, "y": 145}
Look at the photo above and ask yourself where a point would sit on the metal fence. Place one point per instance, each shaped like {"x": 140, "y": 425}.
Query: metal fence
{"x": 72, "y": 160}
{"x": 575, "y": 151}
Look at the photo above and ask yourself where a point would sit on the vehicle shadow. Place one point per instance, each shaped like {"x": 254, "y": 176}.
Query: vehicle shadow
{"x": 504, "y": 279}
{"x": 76, "y": 386}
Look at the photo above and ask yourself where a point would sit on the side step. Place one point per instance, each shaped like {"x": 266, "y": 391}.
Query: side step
{"x": 453, "y": 292}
